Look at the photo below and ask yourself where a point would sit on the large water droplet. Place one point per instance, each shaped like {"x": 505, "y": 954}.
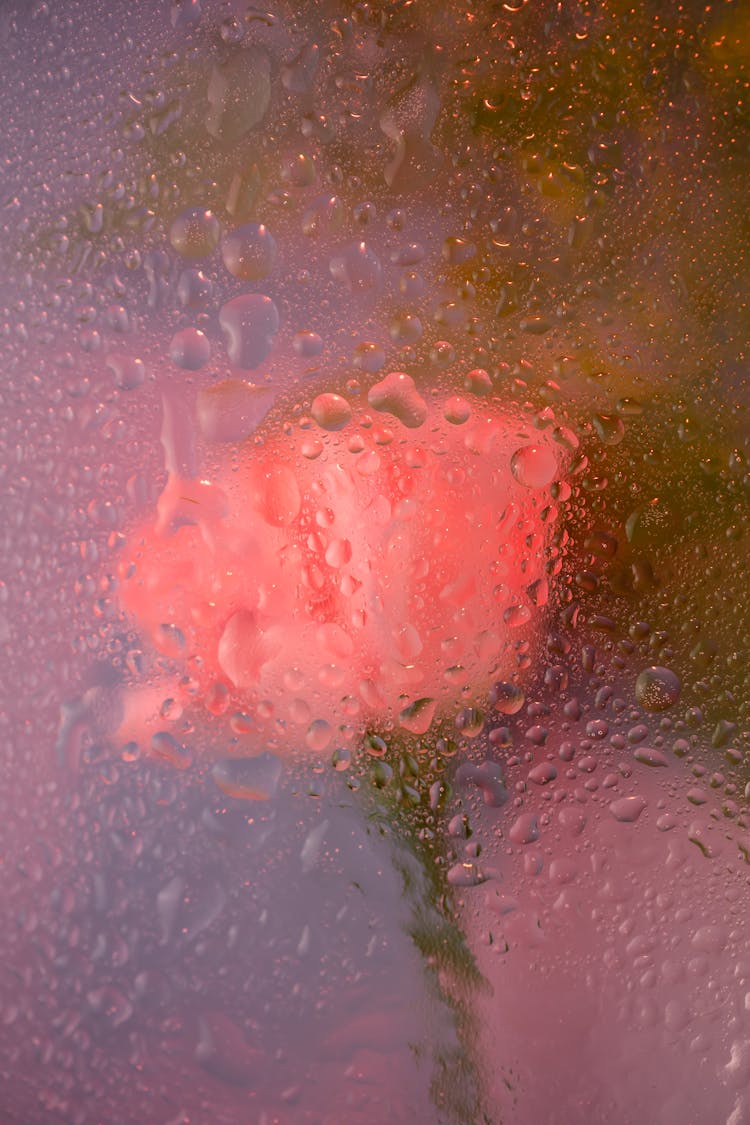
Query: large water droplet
{"x": 657, "y": 688}
{"x": 398, "y": 395}
{"x": 507, "y": 698}
{"x": 534, "y": 466}
{"x": 190, "y": 349}
{"x": 465, "y": 875}
{"x": 249, "y": 323}
{"x": 249, "y": 252}
{"x": 331, "y": 411}
{"x": 628, "y": 809}
{"x": 524, "y": 829}
{"x": 195, "y": 233}
{"x": 129, "y": 371}
{"x": 358, "y": 266}
{"x": 417, "y": 717}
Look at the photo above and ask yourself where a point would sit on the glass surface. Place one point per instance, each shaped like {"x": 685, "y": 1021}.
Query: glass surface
{"x": 375, "y": 477}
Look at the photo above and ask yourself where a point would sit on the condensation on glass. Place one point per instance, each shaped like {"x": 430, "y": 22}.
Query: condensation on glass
{"x": 374, "y": 457}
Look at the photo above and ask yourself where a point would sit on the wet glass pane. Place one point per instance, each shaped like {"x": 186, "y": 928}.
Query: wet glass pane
{"x": 375, "y": 478}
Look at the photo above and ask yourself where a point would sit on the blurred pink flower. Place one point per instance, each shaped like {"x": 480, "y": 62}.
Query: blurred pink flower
{"x": 382, "y": 571}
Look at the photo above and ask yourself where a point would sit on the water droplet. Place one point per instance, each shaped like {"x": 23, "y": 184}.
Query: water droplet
{"x": 190, "y": 349}
{"x": 357, "y": 266}
{"x": 298, "y": 75}
{"x": 307, "y": 344}
{"x": 231, "y": 30}
{"x": 457, "y": 411}
{"x": 627, "y": 809}
{"x": 465, "y": 875}
{"x": 313, "y": 845}
{"x": 524, "y": 829}
{"x": 318, "y": 735}
{"x": 409, "y": 255}
{"x": 325, "y": 215}
{"x": 543, "y": 773}
{"x": 724, "y": 732}
{"x": 129, "y": 371}
{"x": 610, "y": 428}
{"x": 195, "y": 233}
{"x": 648, "y": 756}
{"x": 534, "y": 466}
{"x": 517, "y": 615}
{"x": 341, "y": 759}
{"x": 398, "y": 395}
{"x": 170, "y": 640}
{"x": 457, "y": 251}
{"x": 194, "y": 289}
{"x": 375, "y": 746}
{"x": 657, "y": 688}
{"x": 299, "y": 171}
{"x": 111, "y": 1004}
{"x": 507, "y": 698}
{"x": 470, "y": 721}
{"x": 338, "y": 553}
{"x": 331, "y": 411}
{"x": 249, "y": 323}
{"x": 406, "y": 329}
{"x": 417, "y": 717}
{"x": 249, "y": 252}
{"x": 488, "y": 777}
{"x": 368, "y": 357}
{"x": 381, "y": 775}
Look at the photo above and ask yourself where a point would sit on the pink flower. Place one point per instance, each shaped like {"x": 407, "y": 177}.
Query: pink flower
{"x": 385, "y": 571}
